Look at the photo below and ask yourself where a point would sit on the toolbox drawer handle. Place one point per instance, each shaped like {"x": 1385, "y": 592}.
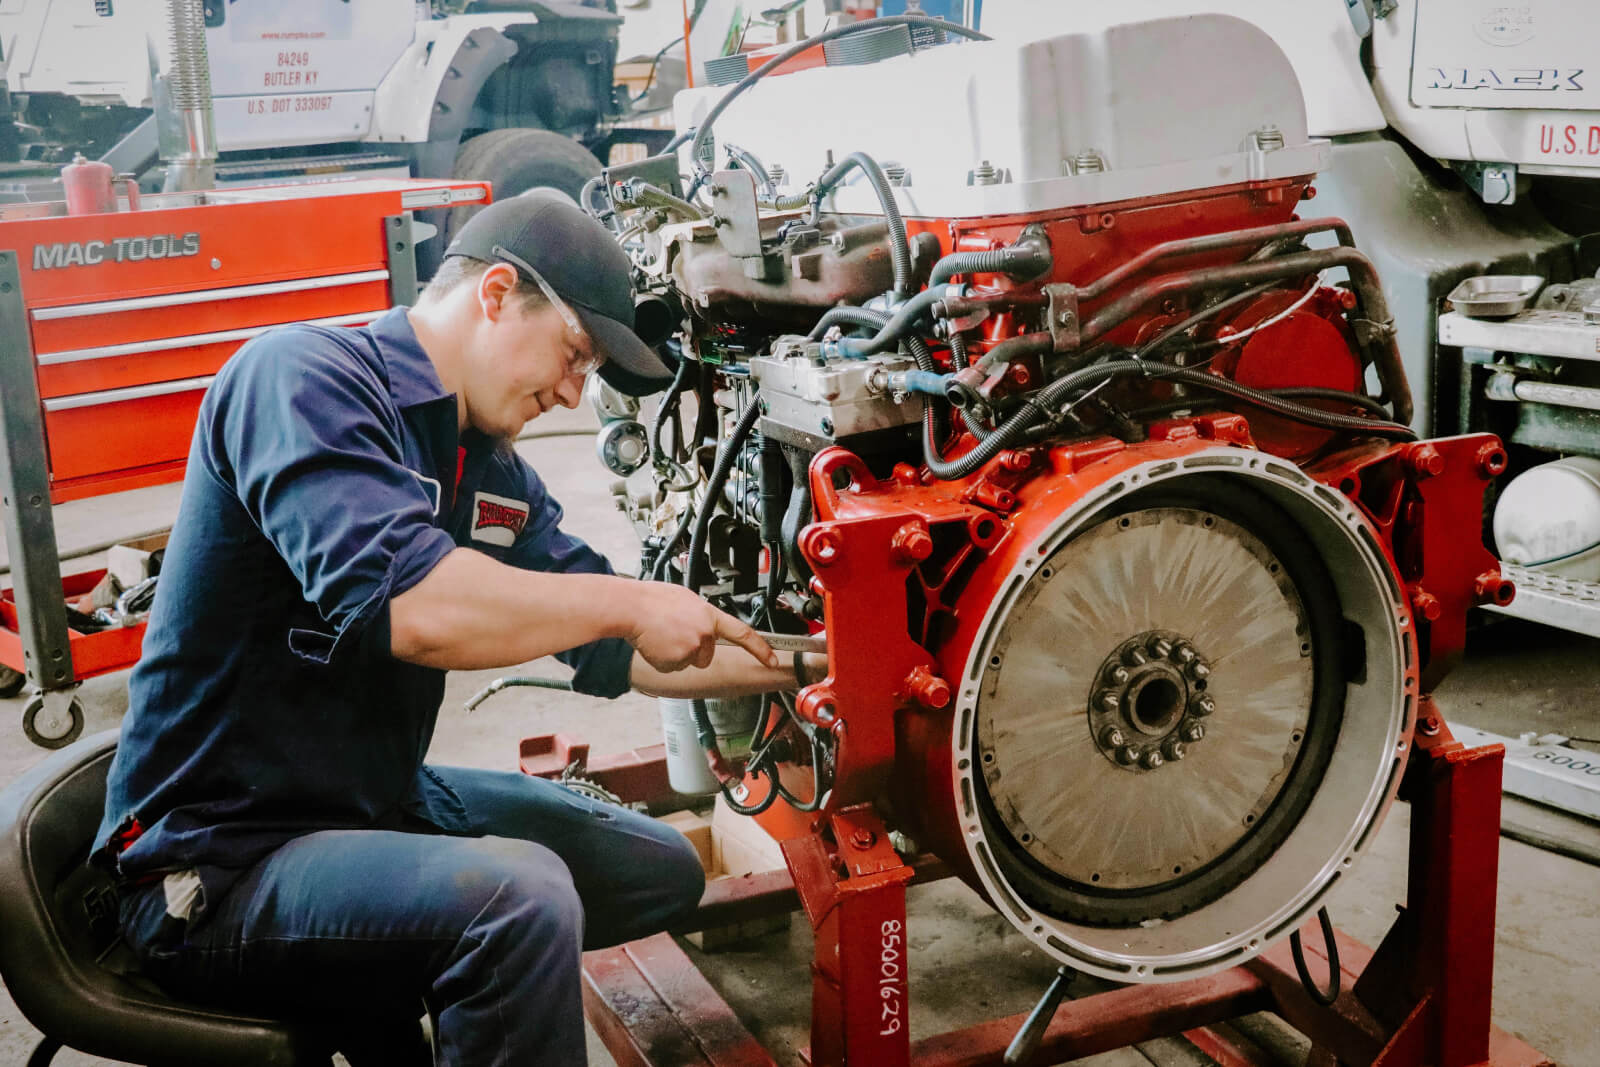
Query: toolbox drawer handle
{"x": 137, "y": 392}
{"x": 193, "y": 340}
{"x": 206, "y": 296}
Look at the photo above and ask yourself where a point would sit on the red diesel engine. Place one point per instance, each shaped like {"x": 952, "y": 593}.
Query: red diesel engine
{"x": 1091, "y": 459}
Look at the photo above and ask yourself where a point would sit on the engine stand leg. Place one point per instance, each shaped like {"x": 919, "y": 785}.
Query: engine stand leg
{"x": 1423, "y": 998}
{"x": 1438, "y": 958}
{"x": 854, "y": 893}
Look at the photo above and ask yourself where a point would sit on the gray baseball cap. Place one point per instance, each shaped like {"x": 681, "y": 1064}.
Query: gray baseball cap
{"x": 578, "y": 258}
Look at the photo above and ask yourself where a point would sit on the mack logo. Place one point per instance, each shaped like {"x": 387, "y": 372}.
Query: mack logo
{"x": 116, "y": 250}
{"x": 497, "y": 519}
{"x": 1515, "y": 79}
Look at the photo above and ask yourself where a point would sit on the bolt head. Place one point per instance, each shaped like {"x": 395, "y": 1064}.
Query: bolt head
{"x": 1183, "y": 654}
{"x": 1199, "y": 671}
{"x": 1194, "y": 731}
{"x": 1160, "y": 647}
{"x": 913, "y": 543}
{"x": 1119, "y": 676}
{"x": 1110, "y": 701}
{"x": 1112, "y": 738}
{"x": 1203, "y": 707}
{"x": 1126, "y": 755}
{"x": 1174, "y": 749}
{"x": 863, "y": 839}
{"x": 1152, "y": 759}
{"x": 1066, "y": 318}
{"x": 1135, "y": 657}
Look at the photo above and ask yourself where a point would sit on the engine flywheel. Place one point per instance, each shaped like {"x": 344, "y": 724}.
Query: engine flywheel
{"x": 1188, "y": 714}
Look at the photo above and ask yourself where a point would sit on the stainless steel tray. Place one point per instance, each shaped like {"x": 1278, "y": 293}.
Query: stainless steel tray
{"x": 1495, "y": 296}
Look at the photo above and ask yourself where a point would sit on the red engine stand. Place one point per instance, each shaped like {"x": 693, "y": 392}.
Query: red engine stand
{"x": 1421, "y": 1000}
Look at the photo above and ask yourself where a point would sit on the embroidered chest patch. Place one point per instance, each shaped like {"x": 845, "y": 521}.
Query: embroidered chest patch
{"x": 497, "y": 520}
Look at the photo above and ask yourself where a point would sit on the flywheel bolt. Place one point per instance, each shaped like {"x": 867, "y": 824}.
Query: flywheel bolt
{"x": 1152, "y": 759}
{"x": 1174, "y": 749}
{"x": 1199, "y": 670}
{"x": 1135, "y": 657}
{"x": 1203, "y": 707}
{"x": 1126, "y": 755}
{"x": 1160, "y": 647}
{"x": 1194, "y": 731}
{"x": 1183, "y": 654}
{"x": 1112, "y": 738}
{"x": 1118, "y": 676}
{"x": 1110, "y": 701}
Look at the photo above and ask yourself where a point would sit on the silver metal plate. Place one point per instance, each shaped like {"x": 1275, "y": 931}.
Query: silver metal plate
{"x": 1550, "y": 599}
{"x": 1536, "y": 333}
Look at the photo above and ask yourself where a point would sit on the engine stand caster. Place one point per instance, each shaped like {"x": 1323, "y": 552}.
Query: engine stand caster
{"x": 53, "y": 718}
{"x": 11, "y": 682}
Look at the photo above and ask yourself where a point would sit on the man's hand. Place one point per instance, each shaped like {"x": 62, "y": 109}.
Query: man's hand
{"x": 674, "y": 628}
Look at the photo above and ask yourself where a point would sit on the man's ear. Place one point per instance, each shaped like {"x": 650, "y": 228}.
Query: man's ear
{"x": 494, "y": 286}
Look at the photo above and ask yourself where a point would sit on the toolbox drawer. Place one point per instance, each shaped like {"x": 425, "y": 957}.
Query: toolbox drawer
{"x": 142, "y": 426}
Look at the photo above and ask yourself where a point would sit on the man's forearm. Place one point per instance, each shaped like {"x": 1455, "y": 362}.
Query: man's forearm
{"x": 472, "y": 612}
{"x": 733, "y": 673}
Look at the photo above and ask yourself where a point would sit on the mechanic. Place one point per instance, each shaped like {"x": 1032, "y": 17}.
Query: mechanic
{"x": 354, "y": 523}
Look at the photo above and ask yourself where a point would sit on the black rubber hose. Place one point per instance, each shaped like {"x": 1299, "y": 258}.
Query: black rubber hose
{"x": 658, "y": 570}
{"x": 772, "y": 468}
{"x": 1041, "y": 404}
{"x": 1323, "y": 997}
{"x": 668, "y": 403}
{"x": 899, "y": 244}
{"x": 847, "y": 316}
{"x": 958, "y": 350}
{"x": 703, "y": 130}
{"x": 1312, "y": 392}
{"x": 798, "y": 513}
{"x": 1010, "y": 432}
{"x": 959, "y": 359}
{"x": 750, "y": 809}
{"x": 1014, "y": 348}
{"x": 727, "y": 456}
{"x": 896, "y": 328}
{"x": 1025, "y": 260}
{"x": 1269, "y": 401}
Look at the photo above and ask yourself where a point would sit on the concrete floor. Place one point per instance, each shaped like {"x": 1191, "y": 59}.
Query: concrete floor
{"x": 967, "y": 963}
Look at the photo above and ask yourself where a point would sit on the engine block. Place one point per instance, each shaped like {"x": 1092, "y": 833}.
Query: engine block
{"x": 1095, "y": 472}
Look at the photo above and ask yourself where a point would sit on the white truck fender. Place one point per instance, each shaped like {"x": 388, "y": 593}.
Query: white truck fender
{"x": 419, "y": 99}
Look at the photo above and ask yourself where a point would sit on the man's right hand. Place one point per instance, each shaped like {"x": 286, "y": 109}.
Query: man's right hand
{"x": 674, "y": 628}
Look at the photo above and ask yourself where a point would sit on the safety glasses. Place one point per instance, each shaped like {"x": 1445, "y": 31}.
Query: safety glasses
{"x": 583, "y": 360}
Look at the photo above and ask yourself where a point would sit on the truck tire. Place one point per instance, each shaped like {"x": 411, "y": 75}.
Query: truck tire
{"x": 516, "y": 161}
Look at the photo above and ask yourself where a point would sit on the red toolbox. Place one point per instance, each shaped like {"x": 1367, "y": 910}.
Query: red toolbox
{"x": 111, "y": 327}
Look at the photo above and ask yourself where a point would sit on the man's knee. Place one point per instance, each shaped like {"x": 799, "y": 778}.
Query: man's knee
{"x": 683, "y": 879}
{"x": 521, "y": 889}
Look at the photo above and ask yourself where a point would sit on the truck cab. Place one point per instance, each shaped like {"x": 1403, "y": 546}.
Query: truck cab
{"x": 516, "y": 91}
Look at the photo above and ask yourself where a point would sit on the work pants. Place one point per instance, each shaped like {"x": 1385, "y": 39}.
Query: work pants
{"x": 362, "y": 925}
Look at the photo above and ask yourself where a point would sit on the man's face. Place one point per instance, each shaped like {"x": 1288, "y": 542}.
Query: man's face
{"x": 527, "y": 362}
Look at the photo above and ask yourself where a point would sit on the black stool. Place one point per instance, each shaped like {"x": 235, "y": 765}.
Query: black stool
{"x": 60, "y": 923}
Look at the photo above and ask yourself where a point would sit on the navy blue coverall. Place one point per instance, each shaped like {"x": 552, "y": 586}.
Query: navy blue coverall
{"x": 282, "y": 846}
